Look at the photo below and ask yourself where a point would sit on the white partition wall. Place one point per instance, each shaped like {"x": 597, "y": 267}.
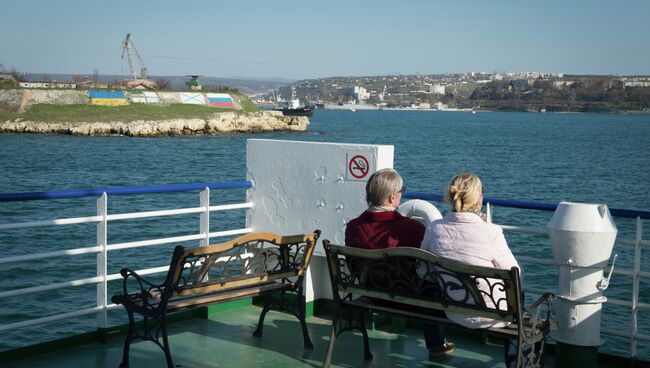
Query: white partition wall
{"x": 303, "y": 186}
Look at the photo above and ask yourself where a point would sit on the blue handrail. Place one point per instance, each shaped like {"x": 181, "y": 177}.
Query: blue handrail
{"x": 95, "y": 192}
{"x": 77, "y": 193}
{"x": 526, "y": 205}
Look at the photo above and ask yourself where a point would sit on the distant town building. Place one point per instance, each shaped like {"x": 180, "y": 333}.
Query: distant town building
{"x": 361, "y": 93}
{"x": 636, "y": 82}
{"x": 48, "y": 85}
{"x": 356, "y": 92}
{"x": 559, "y": 84}
{"x": 438, "y": 89}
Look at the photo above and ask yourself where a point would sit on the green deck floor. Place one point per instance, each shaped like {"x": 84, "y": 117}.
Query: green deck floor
{"x": 225, "y": 340}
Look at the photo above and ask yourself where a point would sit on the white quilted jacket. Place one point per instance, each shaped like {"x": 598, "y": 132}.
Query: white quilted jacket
{"x": 466, "y": 238}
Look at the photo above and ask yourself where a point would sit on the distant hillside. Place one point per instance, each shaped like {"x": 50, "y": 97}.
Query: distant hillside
{"x": 249, "y": 86}
{"x": 527, "y": 91}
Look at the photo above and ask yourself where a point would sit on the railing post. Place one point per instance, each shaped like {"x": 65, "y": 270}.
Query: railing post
{"x": 102, "y": 240}
{"x": 635, "y": 286}
{"x": 488, "y": 212}
{"x": 204, "y": 226}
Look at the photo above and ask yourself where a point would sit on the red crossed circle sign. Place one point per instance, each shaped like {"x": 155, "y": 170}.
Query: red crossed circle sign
{"x": 358, "y": 166}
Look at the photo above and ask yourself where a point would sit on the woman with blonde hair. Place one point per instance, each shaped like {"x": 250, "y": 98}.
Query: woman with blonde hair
{"x": 465, "y": 236}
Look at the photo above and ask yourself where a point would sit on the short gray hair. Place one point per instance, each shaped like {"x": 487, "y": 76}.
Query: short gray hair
{"x": 381, "y": 185}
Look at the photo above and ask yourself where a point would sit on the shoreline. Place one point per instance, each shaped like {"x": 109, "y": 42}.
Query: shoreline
{"x": 219, "y": 123}
{"x": 627, "y": 112}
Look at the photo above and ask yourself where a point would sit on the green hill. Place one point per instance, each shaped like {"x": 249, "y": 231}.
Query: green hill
{"x": 132, "y": 112}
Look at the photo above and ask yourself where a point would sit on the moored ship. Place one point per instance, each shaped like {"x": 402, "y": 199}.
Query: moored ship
{"x": 293, "y": 106}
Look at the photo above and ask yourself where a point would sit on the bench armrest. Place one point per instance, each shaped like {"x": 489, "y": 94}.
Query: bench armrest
{"x": 543, "y": 324}
{"x": 146, "y": 298}
{"x": 544, "y": 298}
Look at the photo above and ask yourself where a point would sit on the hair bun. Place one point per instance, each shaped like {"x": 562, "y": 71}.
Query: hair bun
{"x": 463, "y": 192}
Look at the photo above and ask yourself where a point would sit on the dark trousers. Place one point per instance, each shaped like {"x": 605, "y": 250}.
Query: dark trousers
{"x": 510, "y": 352}
{"x": 434, "y": 336}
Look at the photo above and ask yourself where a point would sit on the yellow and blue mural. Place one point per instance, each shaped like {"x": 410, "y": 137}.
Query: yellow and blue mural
{"x": 107, "y": 98}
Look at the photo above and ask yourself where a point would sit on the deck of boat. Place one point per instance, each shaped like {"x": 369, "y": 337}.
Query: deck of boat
{"x": 225, "y": 340}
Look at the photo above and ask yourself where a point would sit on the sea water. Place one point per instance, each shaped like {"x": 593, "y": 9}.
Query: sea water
{"x": 519, "y": 156}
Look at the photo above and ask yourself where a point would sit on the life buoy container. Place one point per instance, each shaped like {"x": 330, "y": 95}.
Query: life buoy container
{"x": 420, "y": 210}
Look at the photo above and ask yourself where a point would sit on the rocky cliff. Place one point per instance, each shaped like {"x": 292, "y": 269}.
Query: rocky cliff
{"x": 227, "y": 122}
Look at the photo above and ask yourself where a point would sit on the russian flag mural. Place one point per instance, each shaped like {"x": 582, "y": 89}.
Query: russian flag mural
{"x": 220, "y": 100}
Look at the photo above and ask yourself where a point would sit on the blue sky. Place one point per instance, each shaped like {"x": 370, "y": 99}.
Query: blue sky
{"x": 310, "y": 39}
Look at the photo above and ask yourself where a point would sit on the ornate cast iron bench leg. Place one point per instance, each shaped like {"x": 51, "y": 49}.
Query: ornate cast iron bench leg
{"x": 353, "y": 321}
{"x": 127, "y": 341}
{"x": 265, "y": 309}
{"x": 298, "y": 311}
{"x": 168, "y": 353}
{"x": 330, "y": 346}
{"x": 302, "y": 305}
{"x": 367, "y": 355}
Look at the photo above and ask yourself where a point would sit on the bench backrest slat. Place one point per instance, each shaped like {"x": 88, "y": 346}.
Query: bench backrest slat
{"x": 248, "y": 260}
{"x": 421, "y": 279}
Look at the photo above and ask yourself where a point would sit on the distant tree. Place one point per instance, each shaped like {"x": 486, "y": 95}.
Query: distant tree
{"x": 116, "y": 83}
{"x": 162, "y": 83}
{"x": 79, "y": 78}
{"x": 17, "y": 76}
{"x": 220, "y": 88}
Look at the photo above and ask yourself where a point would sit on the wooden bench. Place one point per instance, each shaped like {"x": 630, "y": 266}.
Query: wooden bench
{"x": 413, "y": 284}
{"x": 251, "y": 265}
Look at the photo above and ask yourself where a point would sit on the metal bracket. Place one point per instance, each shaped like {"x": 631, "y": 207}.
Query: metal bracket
{"x": 604, "y": 283}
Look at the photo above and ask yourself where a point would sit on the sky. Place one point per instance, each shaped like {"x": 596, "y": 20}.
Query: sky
{"x": 311, "y": 39}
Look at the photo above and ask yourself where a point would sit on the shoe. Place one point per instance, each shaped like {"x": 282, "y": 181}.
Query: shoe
{"x": 441, "y": 350}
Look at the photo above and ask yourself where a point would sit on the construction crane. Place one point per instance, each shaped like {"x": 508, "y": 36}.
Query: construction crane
{"x": 127, "y": 46}
{"x": 138, "y": 80}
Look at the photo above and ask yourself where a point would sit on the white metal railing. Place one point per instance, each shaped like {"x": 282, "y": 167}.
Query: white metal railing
{"x": 102, "y": 247}
{"x": 634, "y": 305}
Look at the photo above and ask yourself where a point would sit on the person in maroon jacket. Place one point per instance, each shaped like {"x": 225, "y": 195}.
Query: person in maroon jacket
{"x": 381, "y": 226}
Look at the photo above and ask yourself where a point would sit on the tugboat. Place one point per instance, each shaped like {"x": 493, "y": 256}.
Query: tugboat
{"x": 293, "y": 107}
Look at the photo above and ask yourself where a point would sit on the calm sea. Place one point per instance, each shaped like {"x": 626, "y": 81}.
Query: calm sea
{"x": 519, "y": 156}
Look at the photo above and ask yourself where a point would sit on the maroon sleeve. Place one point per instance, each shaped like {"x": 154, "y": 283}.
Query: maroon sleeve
{"x": 353, "y": 235}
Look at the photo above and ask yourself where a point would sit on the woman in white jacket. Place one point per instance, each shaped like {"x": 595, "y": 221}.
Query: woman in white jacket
{"x": 463, "y": 235}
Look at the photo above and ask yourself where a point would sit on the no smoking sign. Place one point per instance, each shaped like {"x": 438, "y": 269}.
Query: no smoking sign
{"x": 358, "y": 167}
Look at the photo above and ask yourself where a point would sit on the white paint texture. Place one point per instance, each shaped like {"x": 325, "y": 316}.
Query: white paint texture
{"x": 303, "y": 186}
{"x": 144, "y": 97}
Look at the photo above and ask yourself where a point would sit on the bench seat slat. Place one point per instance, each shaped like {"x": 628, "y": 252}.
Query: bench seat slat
{"x": 225, "y": 285}
{"x": 224, "y": 296}
{"x": 464, "y": 308}
{"x": 510, "y": 331}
